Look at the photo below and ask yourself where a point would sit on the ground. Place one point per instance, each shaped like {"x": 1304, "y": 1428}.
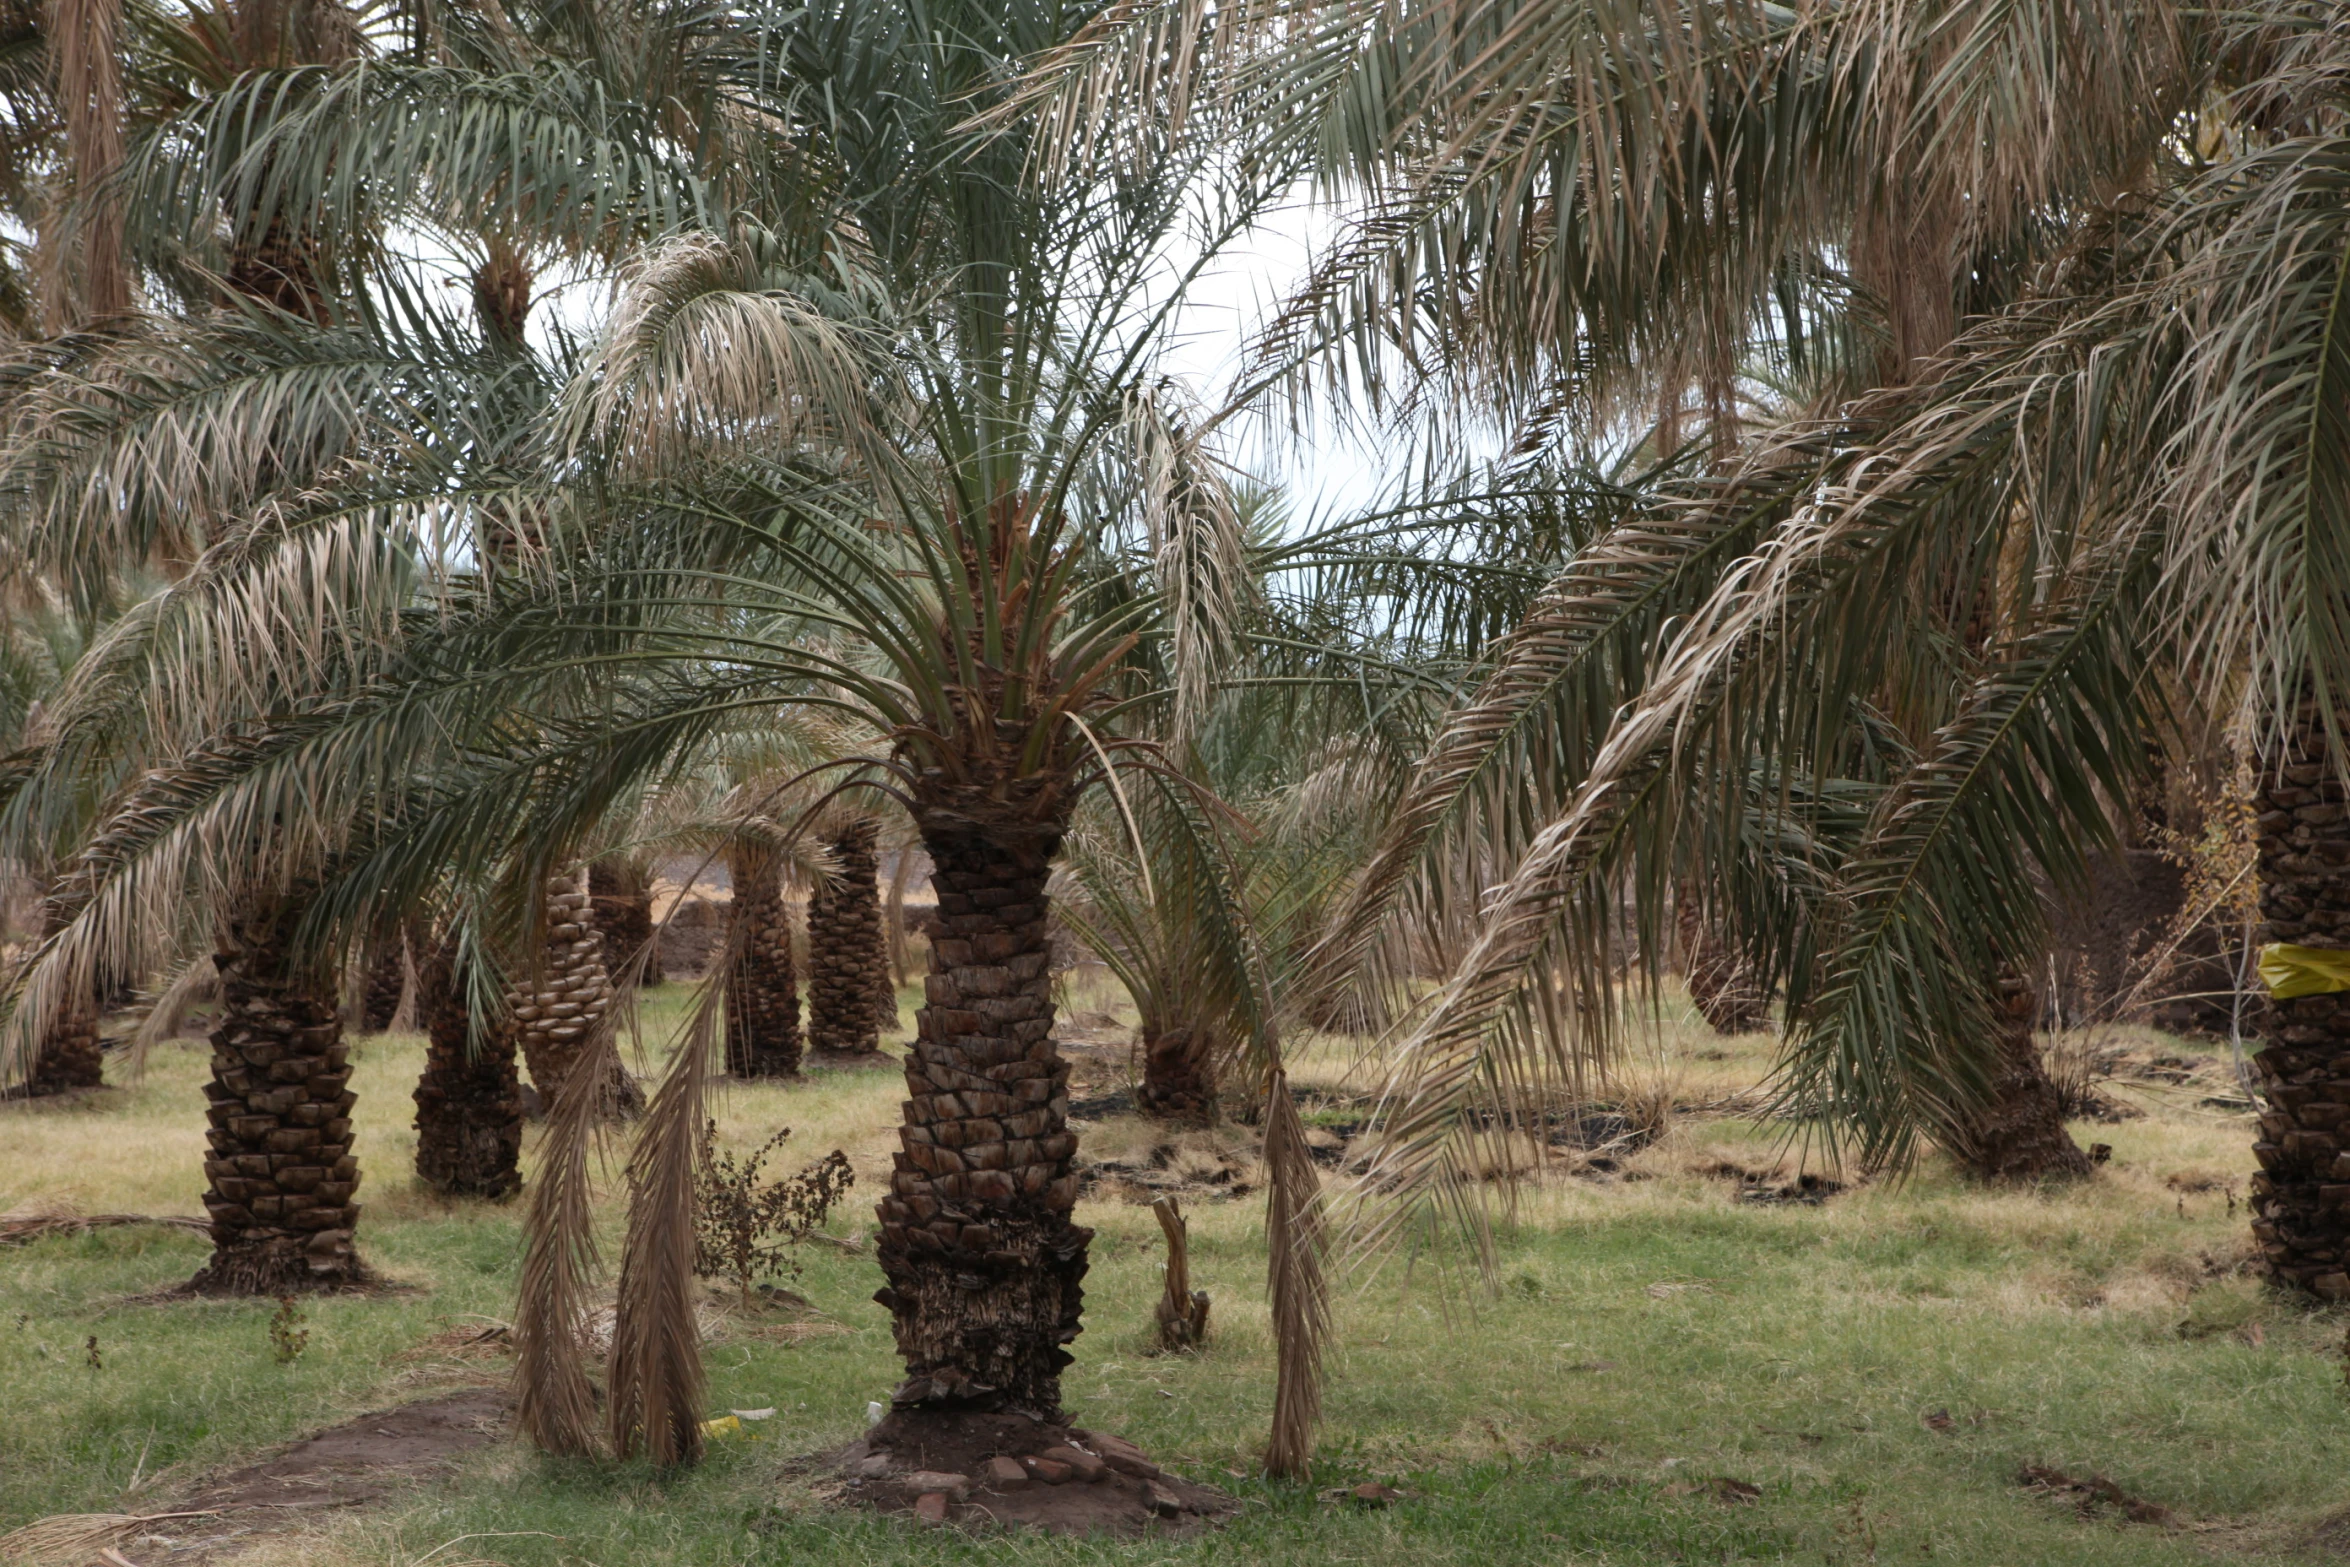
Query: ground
{"x": 1682, "y": 1361}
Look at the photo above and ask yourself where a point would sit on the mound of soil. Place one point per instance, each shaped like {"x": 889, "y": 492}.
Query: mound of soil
{"x": 978, "y": 1468}
{"x": 358, "y": 1461}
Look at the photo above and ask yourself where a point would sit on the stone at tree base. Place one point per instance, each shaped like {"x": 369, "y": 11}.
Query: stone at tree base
{"x": 931, "y": 1507}
{"x": 1047, "y": 1471}
{"x": 2300, "y": 1216}
{"x": 1083, "y": 1466}
{"x": 955, "y": 1486}
{"x": 991, "y": 1445}
{"x": 1163, "y": 1502}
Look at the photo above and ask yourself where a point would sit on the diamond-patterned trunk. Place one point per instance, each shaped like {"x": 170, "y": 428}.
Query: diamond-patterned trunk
{"x": 762, "y": 991}
{"x": 282, "y": 1171}
{"x": 2021, "y": 1136}
{"x": 1178, "y": 1073}
{"x": 469, "y": 1102}
{"x": 1721, "y": 985}
{"x": 387, "y": 978}
{"x": 554, "y": 1008}
{"x": 848, "y": 961}
{"x": 2301, "y": 1197}
{"x": 622, "y": 903}
{"x": 71, "y": 1055}
{"x": 984, "y": 1266}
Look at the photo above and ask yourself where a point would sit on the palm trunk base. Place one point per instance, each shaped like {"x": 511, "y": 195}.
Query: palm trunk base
{"x": 72, "y": 1058}
{"x": 387, "y": 977}
{"x": 985, "y": 1269}
{"x": 282, "y": 1171}
{"x": 1721, "y": 986}
{"x": 2301, "y": 1197}
{"x": 1178, "y": 1076}
{"x": 469, "y": 1101}
{"x": 2022, "y": 1136}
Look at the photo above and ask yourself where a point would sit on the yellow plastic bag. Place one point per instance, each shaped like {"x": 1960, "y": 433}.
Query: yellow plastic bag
{"x": 2290, "y": 971}
{"x": 724, "y": 1425}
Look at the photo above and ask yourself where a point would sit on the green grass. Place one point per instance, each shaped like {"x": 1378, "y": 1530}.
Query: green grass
{"x": 1648, "y": 1336}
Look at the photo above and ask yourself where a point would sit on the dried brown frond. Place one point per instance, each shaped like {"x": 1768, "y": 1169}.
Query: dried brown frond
{"x": 71, "y": 1539}
{"x": 656, "y": 1367}
{"x": 556, "y": 1406}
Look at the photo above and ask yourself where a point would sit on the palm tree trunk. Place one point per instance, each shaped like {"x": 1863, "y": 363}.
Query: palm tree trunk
{"x": 2021, "y": 1137}
{"x": 622, "y": 901}
{"x": 282, "y": 1171}
{"x": 554, "y": 1009}
{"x": 469, "y": 1102}
{"x": 70, "y": 1058}
{"x": 762, "y": 991}
{"x": 2298, "y": 1216}
{"x": 983, "y": 1263}
{"x": 1720, "y": 985}
{"x": 848, "y": 961}
{"x": 1178, "y": 1074}
{"x": 387, "y": 977}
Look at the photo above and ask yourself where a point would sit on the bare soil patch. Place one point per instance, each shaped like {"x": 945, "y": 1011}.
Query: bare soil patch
{"x": 978, "y": 1469}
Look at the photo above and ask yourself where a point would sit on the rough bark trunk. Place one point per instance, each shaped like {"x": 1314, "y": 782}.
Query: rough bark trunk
{"x": 387, "y": 977}
{"x": 1720, "y": 984}
{"x": 469, "y": 1102}
{"x": 2021, "y": 1136}
{"x": 984, "y": 1266}
{"x": 623, "y": 903}
{"x": 762, "y": 990}
{"x": 71, "y": 1054}
{"x": 1178, "y": 1074}
{"x": 2298, "y": 1198}
{"x": 553, "y": 1009}
{"x": 848, "y": 960}
{"x": 282, "y": 1171}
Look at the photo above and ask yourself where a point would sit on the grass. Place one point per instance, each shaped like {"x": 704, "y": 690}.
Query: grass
{"x": 1650, "y": 1336}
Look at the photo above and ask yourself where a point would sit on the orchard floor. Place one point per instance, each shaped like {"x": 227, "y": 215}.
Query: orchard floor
{"x": 1672, "y": 1368}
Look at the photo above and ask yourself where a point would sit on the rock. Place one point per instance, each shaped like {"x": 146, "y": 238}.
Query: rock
{"x": 1046, "y": 1470}
{"x": 1372, "y": 1494}
{"x": 1124, "y": 1456}
{"x": 938, "y": 1480}
{"x": 1162, "y": 1502}
{"x": 1082, "y": 1464}
{"x": 873, "y": 1467}
{"x": 931, "y": 1507}
{"x": 1003, "y": 1474}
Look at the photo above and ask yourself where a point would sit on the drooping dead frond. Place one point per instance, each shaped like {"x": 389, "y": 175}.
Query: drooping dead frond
{"x": 1294, "y": 1241}
{"x": 655, "y": 1399}
{"x": 556, "y": 1406}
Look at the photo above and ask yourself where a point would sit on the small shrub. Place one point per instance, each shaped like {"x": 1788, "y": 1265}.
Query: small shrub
{"x": 746, "y": 1228}
{"x": 287, "y": 1337}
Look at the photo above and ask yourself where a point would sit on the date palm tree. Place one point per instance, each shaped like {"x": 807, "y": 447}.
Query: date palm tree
{"x": 1596, "y": 212}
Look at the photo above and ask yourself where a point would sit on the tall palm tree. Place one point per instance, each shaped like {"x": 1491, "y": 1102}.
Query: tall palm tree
{"x": 1585, "y": 210}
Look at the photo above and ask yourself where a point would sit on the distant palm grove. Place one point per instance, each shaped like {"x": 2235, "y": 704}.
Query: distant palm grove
{"x": 484, "y": 484}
